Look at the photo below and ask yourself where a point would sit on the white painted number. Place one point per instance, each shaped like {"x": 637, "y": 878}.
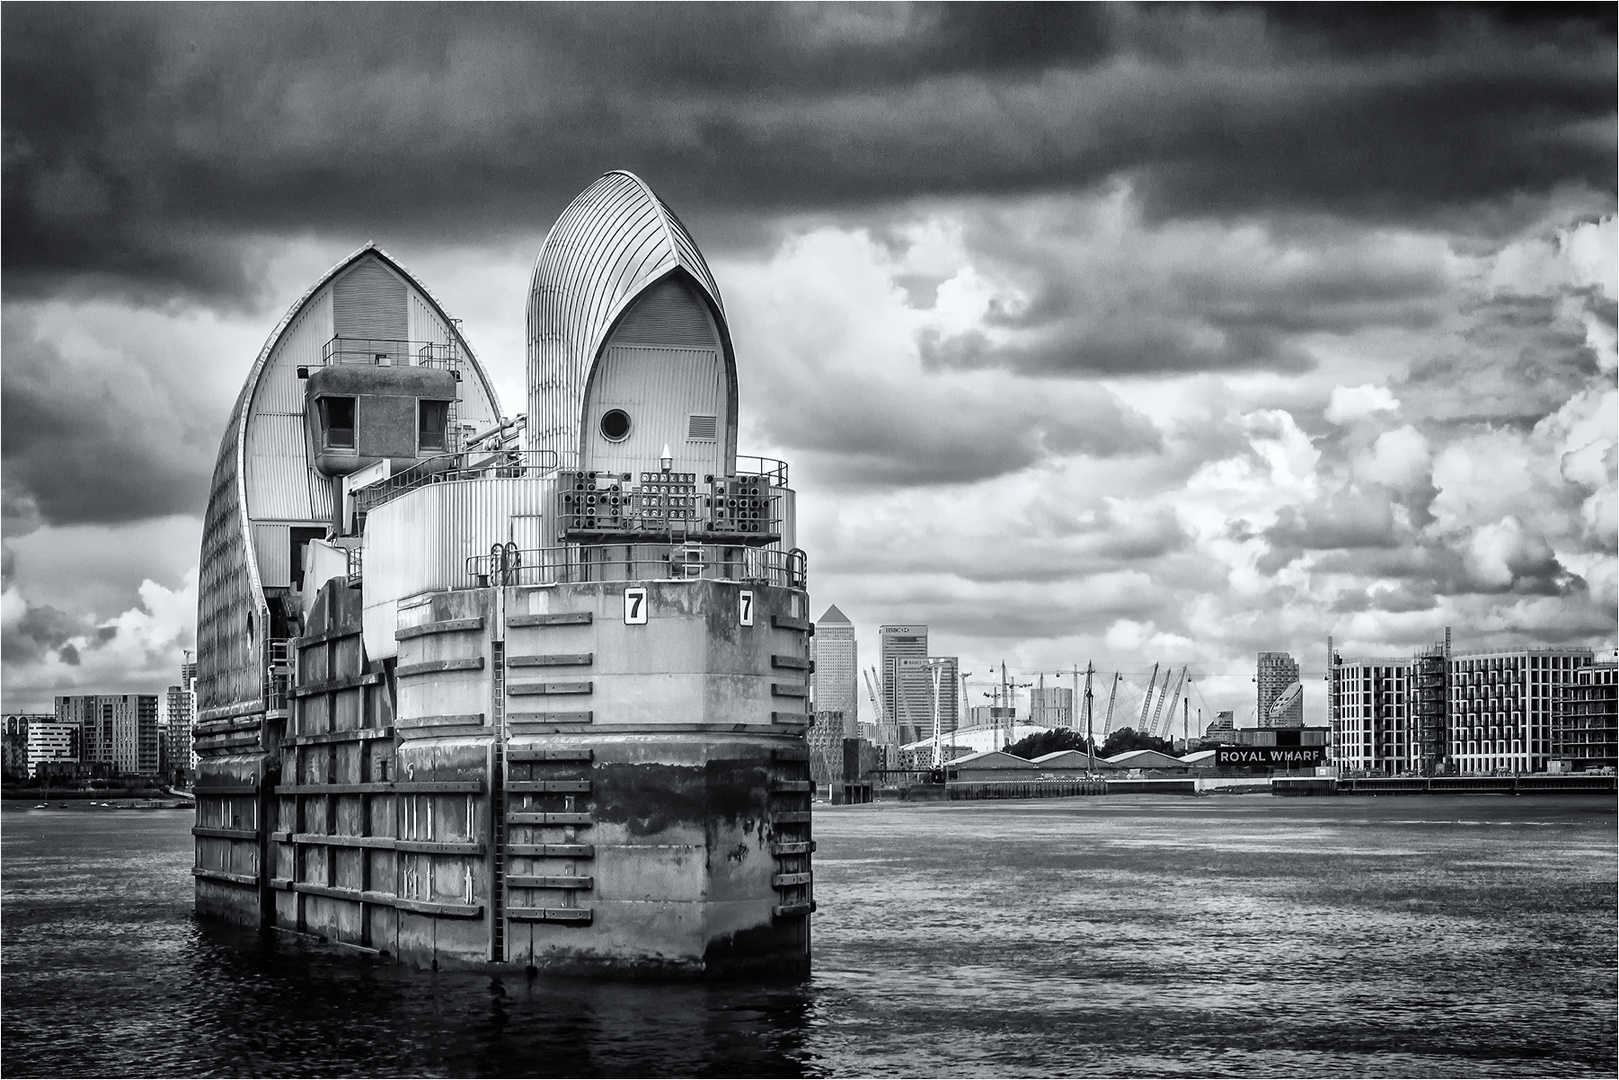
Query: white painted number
{"x": 746, "y": 612}
{"x": 635, "y": 607}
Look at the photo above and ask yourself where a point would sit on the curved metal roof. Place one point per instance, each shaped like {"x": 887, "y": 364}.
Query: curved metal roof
{"x": 611, "y": 244}
{"x": 229, "y": 585}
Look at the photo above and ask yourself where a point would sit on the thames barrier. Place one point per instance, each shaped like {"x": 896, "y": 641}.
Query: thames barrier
{"x": 528, "y": 692}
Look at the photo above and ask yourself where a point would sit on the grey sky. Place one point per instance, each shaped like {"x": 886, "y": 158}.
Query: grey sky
{"x": 1091, "y": 332}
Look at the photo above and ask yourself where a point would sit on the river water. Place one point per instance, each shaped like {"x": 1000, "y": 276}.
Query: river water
{"x": 1239, "y": 935}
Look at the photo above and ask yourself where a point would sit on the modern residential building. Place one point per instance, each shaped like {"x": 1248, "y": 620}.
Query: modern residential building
{"x": 1468, "y": 713}
{"x": 1281, "y": 695}
{"x": 835, "y": 681}
{"x": 1585, "y": 734}
{"x": 1051, "y": 706}
{"x": 1501, "y": 707}
{"x": 50, "y": 741}
{"x": 1372, "y": 707}
{"x": 119, "y": 729}
{"x": 14, "y": 743}
{"x": 907, "y": 694}
{"x": 180, "y": 705}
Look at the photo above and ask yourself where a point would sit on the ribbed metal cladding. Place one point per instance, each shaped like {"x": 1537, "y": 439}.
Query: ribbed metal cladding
{"x": 420, "y": 541}
{"x": 263, "y": 473}
{"x": 614, "y": 242}
{"x": 369, "y": 302}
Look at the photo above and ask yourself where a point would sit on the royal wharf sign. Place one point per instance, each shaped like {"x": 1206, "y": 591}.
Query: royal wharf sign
{"x": 1286, "y": 756}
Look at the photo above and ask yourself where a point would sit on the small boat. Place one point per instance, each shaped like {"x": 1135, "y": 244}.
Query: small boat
{"x": 42, "y": 806}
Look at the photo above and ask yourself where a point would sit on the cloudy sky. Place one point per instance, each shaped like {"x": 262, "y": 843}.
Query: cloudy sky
{"x": 1119, "y": 335}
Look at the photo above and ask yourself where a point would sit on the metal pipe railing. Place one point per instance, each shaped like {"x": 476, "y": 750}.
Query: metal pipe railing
{"x": 774, "y": 469}
{"x": 467, "y": 465}
{"x": 394, "y": 351}
{"x": 507, "y": 564}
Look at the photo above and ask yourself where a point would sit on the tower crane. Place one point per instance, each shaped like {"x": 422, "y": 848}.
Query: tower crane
{"x": 885, "y": 735}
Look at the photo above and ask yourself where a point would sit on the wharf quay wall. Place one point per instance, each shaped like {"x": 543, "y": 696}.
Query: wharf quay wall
{"x": 1450, "y": 785}
{"x": 1280, "y": 785}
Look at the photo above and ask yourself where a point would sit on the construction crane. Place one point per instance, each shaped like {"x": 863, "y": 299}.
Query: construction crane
{"x": 1172, "y": 697}
{"x": 1146, "y": 702}
{"x": 885, "y": 736}
{"x": 1084, "y": 703}
{"x": 1090, "y": 718}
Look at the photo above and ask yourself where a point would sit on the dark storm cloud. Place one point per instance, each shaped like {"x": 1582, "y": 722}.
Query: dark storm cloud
{"x": 1536, "y": 361}
{"x": 140, "y": 142}
{"x": 40, "y": 630}
{"x": 876, "y": 435}
{"x": 1439, "y": 568}
{"x": 101, "y": 443}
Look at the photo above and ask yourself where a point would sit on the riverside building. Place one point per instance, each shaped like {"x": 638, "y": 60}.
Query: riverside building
{"x": 1372, "y": 703}
{"x": 120, "y": 730}
{"x": 1441, "y": 712}
{"x": 1502, "y": 707}
{"x": 539, "y": 704}
{"x": 1586, "y": 728}
{"x": 1281, "y": 695}
{"x": 51, "y": 741}
{"x": 180, "y": 705}
{"x": 14, "y": 742}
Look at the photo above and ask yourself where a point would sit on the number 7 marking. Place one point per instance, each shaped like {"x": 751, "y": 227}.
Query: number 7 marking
{"x": 746, "y": 609}
{"x": 635, "y": 607}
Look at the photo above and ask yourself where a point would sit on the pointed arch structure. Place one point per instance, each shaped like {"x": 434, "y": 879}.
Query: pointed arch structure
{"x": 265, "y": 481}
{"x": 614, "y": 245}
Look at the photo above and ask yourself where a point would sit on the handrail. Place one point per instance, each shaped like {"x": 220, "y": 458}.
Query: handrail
{"x": 509, "y": 565}
{"x": 754, "y": 465}
{"x": 398, "y": 351}
{"x": 466, "y": 465}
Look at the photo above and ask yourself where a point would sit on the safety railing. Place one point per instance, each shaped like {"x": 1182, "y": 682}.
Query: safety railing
{"x": 391, "y": 352}
{"x": 277, "y": 675}
{"x": 772, "y": 469}
{"x": 507, "y": 564}
{"x": 468, "y": 465}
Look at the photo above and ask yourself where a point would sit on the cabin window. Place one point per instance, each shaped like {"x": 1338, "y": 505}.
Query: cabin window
{"x": 615, "y": 425}
{"x": 337, "y": 422}
{"x": 432, "y": 424}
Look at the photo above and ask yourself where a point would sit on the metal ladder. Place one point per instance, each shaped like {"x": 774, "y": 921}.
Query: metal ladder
{"x": 497, "y": 808}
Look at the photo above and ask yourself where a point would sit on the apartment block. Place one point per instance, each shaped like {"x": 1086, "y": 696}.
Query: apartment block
{"x": 1281, "y": 695}
{"x": 1586, "y": 731}
{"x": 1502, "y": 707}
{"x": 50, "y": 741}
{"x": 118, "y": 729}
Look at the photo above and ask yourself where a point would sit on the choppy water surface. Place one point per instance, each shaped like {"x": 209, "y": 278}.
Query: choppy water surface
{"x": 1127, "y": 935}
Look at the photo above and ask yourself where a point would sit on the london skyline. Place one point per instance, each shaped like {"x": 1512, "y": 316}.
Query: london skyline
{"x": 1090, "y": 334}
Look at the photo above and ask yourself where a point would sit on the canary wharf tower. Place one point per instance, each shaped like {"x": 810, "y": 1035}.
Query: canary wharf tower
{"x": 478, "y": 690}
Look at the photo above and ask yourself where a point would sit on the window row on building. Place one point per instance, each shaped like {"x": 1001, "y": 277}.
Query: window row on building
{"x": 1522, "y": 711}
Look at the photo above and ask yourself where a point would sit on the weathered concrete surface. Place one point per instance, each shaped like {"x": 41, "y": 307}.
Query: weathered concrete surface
{"x": 636, "y": 817}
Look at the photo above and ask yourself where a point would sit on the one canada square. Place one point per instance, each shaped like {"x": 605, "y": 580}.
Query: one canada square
{"x": 837, "y": 669}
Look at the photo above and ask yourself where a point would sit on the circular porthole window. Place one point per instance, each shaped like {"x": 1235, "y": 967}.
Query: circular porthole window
{"x": 616, "y": 424}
